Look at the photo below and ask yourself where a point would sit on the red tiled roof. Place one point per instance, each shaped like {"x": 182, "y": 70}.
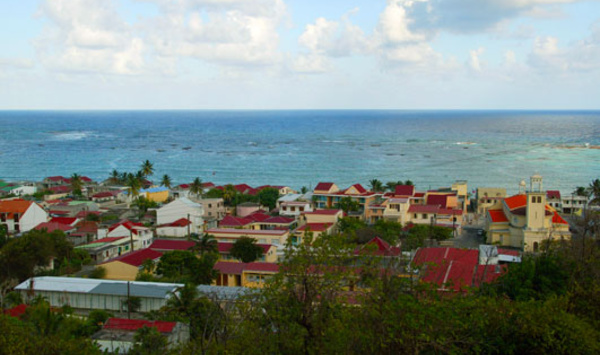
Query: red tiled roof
{"x": 229, "y": 268}
{"x": 423, "y": 208}
{"x": 53, "y": 226}
{"x": 436, "y": 255}
{"x": 323, "y": 186}
{"x": 323, "y": 212}
{"x": 231, "y": 221}
{"x": 557, "y": 219}
{"x": 87, "y": 227}
{"x": 182, "y": 222}
{"x": 14, "y": 206}
{"x": 248, "y": 232}
{"x": 404, "y": 190}
{"x": 55, "y": 178}
{"x": 508, "y": 252}
{"x": 167, "y": 244}
{"x": 314, "y": 227}
{"x": 450, "y": 211}
{"x": 358, "y": 187}
{"x": 243, "y": 188}
{"x": 207, "y": 185}
{"x": 135, "y": 324}
{"x": 258, "y": 216}
{"x": 127, "y": 224}
{"x": 279, "y": 220}
{"x": 418, "y": 194}
{"x": 104, "y": 194}
{"x": 441, "y": 200}
{"x": 497, "y": 216}
{"x": 60, "y": 189}
{"x": 382, "y": 248}
{"x": 138, "y": 257}
{"x": 553, "y": 194}
{"x": 261, "y": 266}
{"x": 184, "y": 186}
{"x": 516, "y": 201}
{"x": 64, "y": 220}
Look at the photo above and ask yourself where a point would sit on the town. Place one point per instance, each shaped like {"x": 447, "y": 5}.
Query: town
{"x": 123, "y": 253}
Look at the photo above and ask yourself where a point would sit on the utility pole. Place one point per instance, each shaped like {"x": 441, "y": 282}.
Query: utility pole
{"x": 189, "y": 226}
{"x": 131, "y": 239}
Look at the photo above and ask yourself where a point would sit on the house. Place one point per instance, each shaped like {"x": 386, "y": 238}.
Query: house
{"x": 378, "y": 247}
{"x": 180, "y": 228}
{"x": 141, "y": 236}
{"x": 328, "y": 195}
{"x": 105, "y": 249}
{"x": 276, "y": 237}
{"x": 574, "y": 204}
{"x": 214, "y": 210}
{"x": 117, "y": 334}
{"x": 554, "y": 200}
{"x": 244, "y": 274}
{"x": 436, "y": 215}
{"x": 50, "y": 227}
{"x": 247, "y": 208}
{"x": 85, "y": 232}
{"x": 316, "y": 229}
{"x": 453, "y": 269}
{"x": 158, "y": 194}
{"x": 126, "y": 267}
{"x": 21, "y": 216}
{"x": 487, "y": 197}
{"x": 322, "y": 216}
{"x": 105, "y": 196}
{"x": 88, "y": 294}
{"x": 294, "y": 208}
{"x": 525, "y": 220}
{"x": 165, "y": 245}
{"x": 182, "y": 208}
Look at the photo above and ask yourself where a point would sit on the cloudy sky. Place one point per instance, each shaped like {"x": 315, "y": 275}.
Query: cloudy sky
{"x": 300, "y": 54}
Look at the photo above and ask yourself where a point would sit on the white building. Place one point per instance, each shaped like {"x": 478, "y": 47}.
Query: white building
{"x": 21, "y": 216}
{"x": 294, "y": 208}
{"x": 142, "y": 236}
{"x": 182, "y": 208}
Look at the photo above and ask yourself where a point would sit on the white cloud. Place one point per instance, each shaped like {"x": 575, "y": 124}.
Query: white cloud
{"x": 474, "y": 61}
{"x": 393, "y": 26}
{"x": 88, "y": 36}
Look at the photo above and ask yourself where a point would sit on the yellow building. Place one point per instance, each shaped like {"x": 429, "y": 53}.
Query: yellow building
{"x": 126, "y": 267}
{"x": 244, "y": 274}
{"x": 275, "y": 237}
{"x": 525, "y": 220}
{"x": 156, "y": 194}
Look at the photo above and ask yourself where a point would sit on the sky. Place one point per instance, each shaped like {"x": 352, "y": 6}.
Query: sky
{"x": 299, "y": 54}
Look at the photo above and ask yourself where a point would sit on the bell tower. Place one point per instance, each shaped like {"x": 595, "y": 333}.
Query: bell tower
{"x": 536, "y": 204}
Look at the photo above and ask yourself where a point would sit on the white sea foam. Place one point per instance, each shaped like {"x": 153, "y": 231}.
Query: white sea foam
{"x": 71, "y": 135}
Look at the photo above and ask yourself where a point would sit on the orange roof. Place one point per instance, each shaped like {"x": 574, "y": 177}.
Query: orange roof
{"x": 557, "y": 219}
{"x": 14, "y": 206}
{"x": 516, "y": 201}
{"x": 497, "y": 216}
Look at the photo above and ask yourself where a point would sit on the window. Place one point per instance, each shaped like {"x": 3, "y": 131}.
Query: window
{"x": 424, "y": 216}
{"x": 210, "y": 205}
{"x": 415, "y": 216}
{"x": 209, "y": 214}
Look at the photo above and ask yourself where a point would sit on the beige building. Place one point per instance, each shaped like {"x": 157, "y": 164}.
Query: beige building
{"x": 214, "y": 208}
{"x": 525, "y": 220}
{"x": 487, "y": 197}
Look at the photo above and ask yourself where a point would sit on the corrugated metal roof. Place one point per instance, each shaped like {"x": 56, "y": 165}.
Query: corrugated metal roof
{"x": 223, "y": 292}
{"x": 104, "y": 287}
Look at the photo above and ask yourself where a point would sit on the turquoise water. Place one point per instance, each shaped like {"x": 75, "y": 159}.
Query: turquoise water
{"x": 301, "y": 148}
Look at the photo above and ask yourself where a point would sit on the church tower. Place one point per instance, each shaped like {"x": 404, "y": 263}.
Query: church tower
{"x": 536, "y": 204}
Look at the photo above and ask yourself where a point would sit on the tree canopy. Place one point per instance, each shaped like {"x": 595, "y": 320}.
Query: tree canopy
{"x": 246, "y": 250}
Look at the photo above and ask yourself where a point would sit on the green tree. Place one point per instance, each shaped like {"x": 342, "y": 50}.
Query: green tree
{"x": 347, "y": 204}
{"x": 303, "y": 190}
{"x": 595, "y": 192}
{"x": 376, "y": 185}
{"x": 229, "y": 194}
{"x": 268, "y": 197}
{"x": 214, "y": 193}
{"x": 409, "y": 183}
{"x": 115, "y": 177}
{"x": 99, "y": 272}
{"x": 185, "y": 266}
{"x": 207, "y": 244}
{"x": 389, "y": 231}
{"x": 196, "y": 187}
{"x": 134, "y": 185}
{"x": 76, "y": 184}
{"x": 147, "y": 168}
{"x": 581, "y": 191}
{"x": 148, "y": 340}
{"x": 246, "y": 250}
{"x": 166, "y": 181}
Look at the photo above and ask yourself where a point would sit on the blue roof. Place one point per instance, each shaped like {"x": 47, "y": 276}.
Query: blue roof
{"x": 154, "y": 189}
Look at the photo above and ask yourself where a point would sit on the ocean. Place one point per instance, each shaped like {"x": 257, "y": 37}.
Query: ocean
{"x": 301, "y": 148}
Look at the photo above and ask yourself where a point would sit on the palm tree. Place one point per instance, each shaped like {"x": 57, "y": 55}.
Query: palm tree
{"x": 376, "y": 185}
{"x": 76, "y": 184}
{"x": 304, "y": 190}
{"x": 147, "y": 168}
{"x": 594, "y": 191}
{"x": 580, "y": 191}
{"x": 133, "y": 185}
{"x": 196, "y": 187}
{"x": 114, "y": 177}
{"x": 229, "y": 193}
{"x": 207, "y": 243}
{"x": 166, "y": 181}
{"x": 391, "y": 185}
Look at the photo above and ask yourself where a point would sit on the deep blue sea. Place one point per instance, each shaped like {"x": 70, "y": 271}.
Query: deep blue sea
{"x": 301, "y": 148}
